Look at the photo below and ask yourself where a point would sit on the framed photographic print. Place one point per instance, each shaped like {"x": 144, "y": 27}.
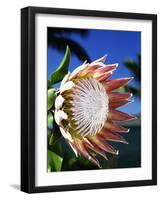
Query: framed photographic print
{"x": 88, "y": 99}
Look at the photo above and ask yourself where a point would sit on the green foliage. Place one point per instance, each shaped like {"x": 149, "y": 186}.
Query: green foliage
{"x": 51, "y": 98}
{"x": 62, "y": 70}
{"x": 135, "y": 69}
{"x": 133, "y": 90}
{"x": 55, "y": 157}
{"x": 54, "y": 161}
{"x": 53, "y": 136}
{"x": 49, "y": 168}
{"x": 51, "y": 139}
{"x": 50, "y": 119}
{"x": 49, "y": 84}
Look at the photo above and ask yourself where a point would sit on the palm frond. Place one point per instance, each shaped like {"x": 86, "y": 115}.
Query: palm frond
{"x": 134, "y": 67}
{"x": 133, "y": 90}
{"x": 67, "y": 32}
{"x": 82, "y": 33}
{"x": 60, "y": 44}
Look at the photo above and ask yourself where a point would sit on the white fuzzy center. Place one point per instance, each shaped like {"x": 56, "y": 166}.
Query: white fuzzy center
{"x": 90, "y": 106}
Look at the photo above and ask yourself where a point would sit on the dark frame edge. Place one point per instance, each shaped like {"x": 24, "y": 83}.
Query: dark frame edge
{"x": 154, "y": 99}
{"x": 24, "y": 100}
{"x": 92, "y": 186}
{"x": 96, "y": 13}
{"x": 27, "y": 103}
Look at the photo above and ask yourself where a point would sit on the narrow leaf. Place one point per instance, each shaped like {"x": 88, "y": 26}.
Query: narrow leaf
{"x": 62, "y": 70}
{"x": 54, "y": 137}
{"x": 51, "y": 139}
{"x": 51, "y": 98}
{"x": 50, "y": 119}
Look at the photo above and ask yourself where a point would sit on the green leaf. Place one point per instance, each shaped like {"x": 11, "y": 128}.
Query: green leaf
{"x": 62, "y": 70}
{"x": 49, "y": 168}
{"x": 50, "y": 119}
{"x": 56, "y": 147}
{"x": 54, "y": 161}
{"x": 51, "y": 98}
{"x": 53, "y": 138}
{"x": 49, "y": 133}
{"x": 49, "y": 84}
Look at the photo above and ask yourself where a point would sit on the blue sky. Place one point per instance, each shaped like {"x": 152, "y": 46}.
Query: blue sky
{"x": 118, "y": 45}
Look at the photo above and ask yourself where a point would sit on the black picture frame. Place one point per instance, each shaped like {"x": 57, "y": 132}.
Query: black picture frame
{"x": 28, "y": 98}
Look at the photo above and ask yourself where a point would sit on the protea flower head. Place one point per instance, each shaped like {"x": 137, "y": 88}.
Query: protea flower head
{"x": 86, "y": 109}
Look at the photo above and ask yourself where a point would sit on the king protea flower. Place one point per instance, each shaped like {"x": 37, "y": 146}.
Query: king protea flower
{"x": 86, "y": 109}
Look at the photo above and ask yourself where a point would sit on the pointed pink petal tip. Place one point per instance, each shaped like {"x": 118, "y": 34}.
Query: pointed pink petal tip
{"x": 117, "y": 96}
{"x": 117, "y": 115}
{"x": 102, "y": 59}
{"x": 117, "y": 83}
